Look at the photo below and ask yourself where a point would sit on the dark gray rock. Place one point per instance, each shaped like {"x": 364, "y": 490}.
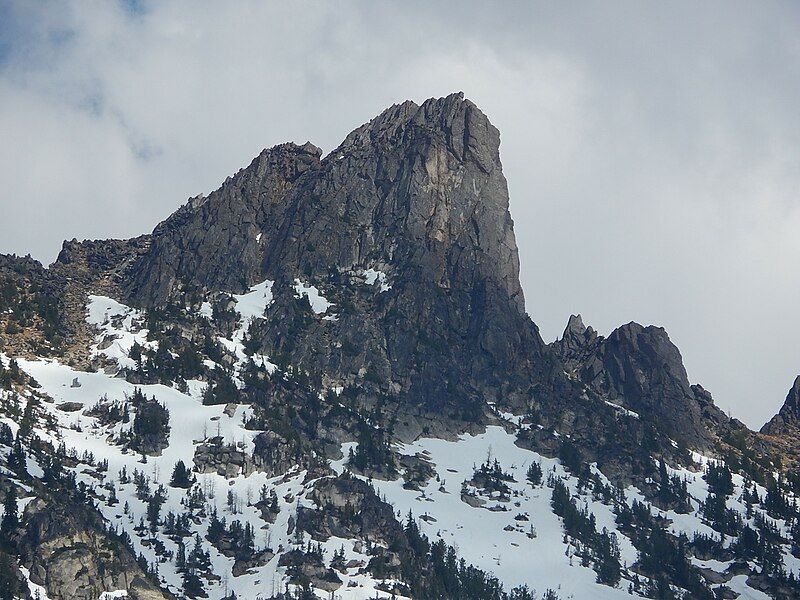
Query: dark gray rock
{"x": 576, "y": 344}
{"x": 787, "y": 421}
{"x": 348, "y": 507}
{"x": 641, "y": 369}
{"x": 418, "y": 193}
{"x": 67, "y": 550}
{"x": 214, "y": 456}
{"x": 213, "y": 243}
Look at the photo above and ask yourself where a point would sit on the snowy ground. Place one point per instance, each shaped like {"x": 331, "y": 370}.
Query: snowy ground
{"x": 488, "y": 536}
{"x": 542, "y": 562}
{"x": 191, "y": 423}
{"x": 478, "y": 533}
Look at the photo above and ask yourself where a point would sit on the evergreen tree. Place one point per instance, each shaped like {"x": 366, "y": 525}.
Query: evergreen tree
{"x": 221, "y": 389}
{"x": 17, "y": 461}
{"x": 719, "y": 478}
{"x": 181, "y": 476}
{"x": 9, "y": 584}
{"x": 664, "y": 490}
{"x": 192, "y": 585}
{"x": 216, "y": 528}
{"x": 198, "y": 559}
{"x": 180, "y": 558}
{"x": 154, "y": 508}
{"x": 112, "y": 495}
{"x": 534, "y": 473}
{"x": 10, "y": 520}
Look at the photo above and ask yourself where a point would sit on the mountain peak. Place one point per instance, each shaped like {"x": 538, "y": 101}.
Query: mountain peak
{"x": 575, "y": 342}
{"x": 453, "y": 122}
{"x": 418, "y": 184}
{"x": 575, "y": 324}
{"x": 789, "y": 414}
{"x": 418, "y": 193}
{"x": 639, "y": 367}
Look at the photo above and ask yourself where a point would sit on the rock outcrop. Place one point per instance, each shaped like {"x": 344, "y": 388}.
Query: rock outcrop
{"x": 349, "y": 508}
{"x": 214, "y": 456}
{"x": 577, "y": 344}
{"x": 787, "y": 421}
{"x": 417, "y": 194}
{"x": 67, "y": 550}
{"x": 640, "y": 369}
{"x": 220, "y": 242}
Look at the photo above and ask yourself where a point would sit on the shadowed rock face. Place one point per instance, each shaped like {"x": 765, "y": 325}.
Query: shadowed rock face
{"x": 787, "y": 421}
{"x": 641, "y": 369}
{"x": 213, "y": 243}
{"x": 417, "y": 193}
{"x": 576, "y": 344}
{"x": 417, "y": 187}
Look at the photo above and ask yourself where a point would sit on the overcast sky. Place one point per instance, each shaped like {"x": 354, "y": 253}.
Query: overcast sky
{"x": 652, "y": 149}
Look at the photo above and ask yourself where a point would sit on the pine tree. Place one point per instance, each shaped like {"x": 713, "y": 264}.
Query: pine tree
{"x": 9, "y": 584}
{"x": 192, "y": 585}
{"x": 28, "y": 418}
{"x": 10, "y": 520}
{"x": 198, "y": 559}
{"x": 534, "y": 474}
{"x": 248, "y": 538}
{"x": 180, "y": 558}
{"x": 16, "y": 458}
{"x": 181, "y": 476}
{"x": 112, "y": 495}
{"x": 216, "y": 527}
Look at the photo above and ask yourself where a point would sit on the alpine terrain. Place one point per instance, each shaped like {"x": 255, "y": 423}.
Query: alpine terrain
{"x": 320, "y": 381}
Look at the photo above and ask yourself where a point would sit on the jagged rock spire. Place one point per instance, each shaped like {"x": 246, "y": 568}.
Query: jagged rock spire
{"x": 789, "y": 415}
{"x": 417, "y": 185}
{"x": 576, "y": 337}
{"x": 417, "y": 192}
{"x": 640, "y": 368}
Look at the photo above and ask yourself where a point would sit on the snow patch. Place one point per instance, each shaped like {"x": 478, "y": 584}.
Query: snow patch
{"x": 319, "y": 304}
{"x": 36, "y": 591}
{"x": 120, "y": 327}
{"x": 622, "y": 410}
{"x": 492, "y": 539}
{"x": 253, "y": 304}
{"x": 373, "y": 276}
{"x": 206, "y": 310}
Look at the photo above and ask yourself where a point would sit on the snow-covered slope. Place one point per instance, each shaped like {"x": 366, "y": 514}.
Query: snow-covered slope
{"x": 515, "y": 534}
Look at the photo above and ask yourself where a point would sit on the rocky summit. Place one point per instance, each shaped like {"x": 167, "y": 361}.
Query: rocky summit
{"x": 320, "y": 381}
{"x": 417, "y": 195}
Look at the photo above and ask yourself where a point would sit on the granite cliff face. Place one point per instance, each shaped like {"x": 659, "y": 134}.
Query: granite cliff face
{"x": 787, "y": 421}
{"x": 418, "y": 194}
{"x": 417, "y": 198}
{"x": 641, "y": 369}
{"x": 71, "y": 555}
{"x": 418, "y": 187}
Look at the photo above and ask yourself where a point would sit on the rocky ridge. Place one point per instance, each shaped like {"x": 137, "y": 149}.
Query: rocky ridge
{"x": 364, "y": 301}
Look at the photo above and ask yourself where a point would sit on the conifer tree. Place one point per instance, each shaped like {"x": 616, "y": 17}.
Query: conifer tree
{"x": 9, "y": 584}
{"x": 10, "y": 519}
{"x": 181, "y": 476}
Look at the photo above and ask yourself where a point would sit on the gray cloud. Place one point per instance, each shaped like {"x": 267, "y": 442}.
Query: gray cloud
{"x": 651, "y": 151}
